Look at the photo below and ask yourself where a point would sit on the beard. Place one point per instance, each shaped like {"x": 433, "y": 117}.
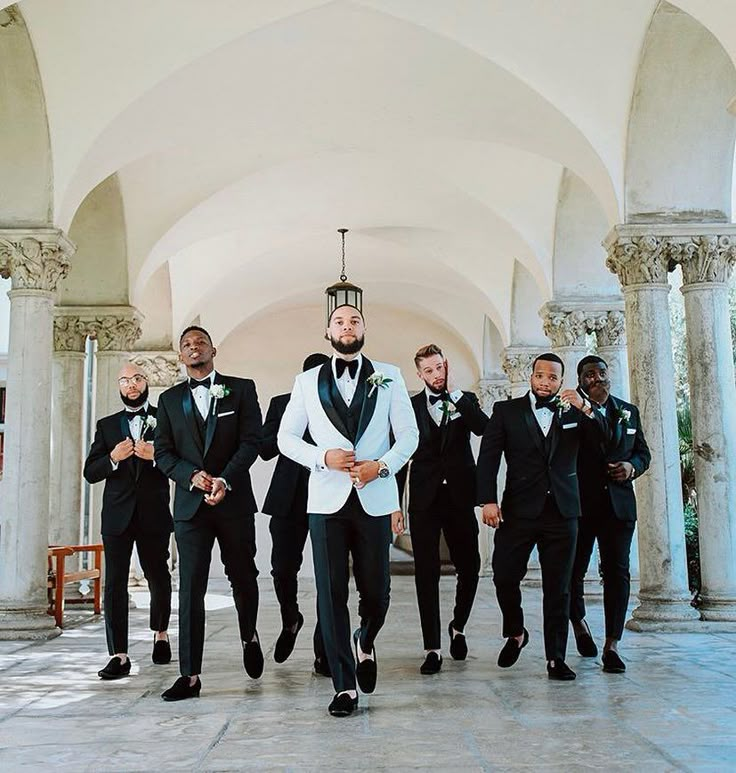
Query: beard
{"x": 135, "y": 402}
{"x": 436, "y": 391}
{"x": 351, "y": 348}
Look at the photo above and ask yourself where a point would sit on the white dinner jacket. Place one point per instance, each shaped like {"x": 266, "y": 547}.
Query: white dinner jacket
{"x": 329, "y": 489}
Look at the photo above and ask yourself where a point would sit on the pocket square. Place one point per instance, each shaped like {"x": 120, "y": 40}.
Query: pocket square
{"x": 631, "y": 431}
{"x": 225, "y": 413}
{"x": 569, "y": 426}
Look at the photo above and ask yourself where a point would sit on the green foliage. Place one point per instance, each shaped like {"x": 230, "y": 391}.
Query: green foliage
{"x": 692, "y": 548}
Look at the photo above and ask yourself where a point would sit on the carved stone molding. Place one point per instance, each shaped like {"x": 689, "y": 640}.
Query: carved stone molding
{"x": 35, "y": 259}
{"x": 643, "y": 254}
{"x": 161, "y": 368}
{"x": 116, "y": 328}
{"x": 517, "y": 362}
{"x": 613, "y": 330}
{"x": 70, "y": 333}
{"x": 491, "y": 390}
{"x": 566, "y": 323}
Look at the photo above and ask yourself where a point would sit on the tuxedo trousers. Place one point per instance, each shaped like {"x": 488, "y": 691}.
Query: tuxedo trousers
{"x": 153, "y": 553}
{"x": 288, "y": 537}
{"x": 335, "y": 538}
{"x": 614, "y": 545}
{"x": 460, "y": 527}
{"x": 555, "y": 538}
{"x": 236, "y": 536}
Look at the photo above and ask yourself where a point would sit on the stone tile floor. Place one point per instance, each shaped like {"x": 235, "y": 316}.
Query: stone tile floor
{"x": 674, "y": 709}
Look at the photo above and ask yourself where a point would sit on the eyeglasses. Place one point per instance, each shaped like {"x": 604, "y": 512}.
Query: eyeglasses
{"x": 137, "y": 380}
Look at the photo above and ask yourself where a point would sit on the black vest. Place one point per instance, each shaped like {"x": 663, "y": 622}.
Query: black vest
{"x": 349, "y": 415}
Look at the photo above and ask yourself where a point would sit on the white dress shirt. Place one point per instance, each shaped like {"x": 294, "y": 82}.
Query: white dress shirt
{"x": 543, "y": 415}
{"x": 202, "y": 397}
{"x": 435, "y": 409}
{"x": 136, "y": 428}
{"x": 346, "y": 384}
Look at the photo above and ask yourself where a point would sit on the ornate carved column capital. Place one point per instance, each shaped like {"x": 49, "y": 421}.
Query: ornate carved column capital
{"x": 491, "y": 390}
{"x": 161, "y": 367}
{"x": 517, "y": 362}
{"x": 704, "y": 257}
{"x": 612, "y": 331}
{"x": 567, "y": 322}
{"x": 637, "y": 255}
{"x": 70, "y": 332}
{"x": 35, "y": 258}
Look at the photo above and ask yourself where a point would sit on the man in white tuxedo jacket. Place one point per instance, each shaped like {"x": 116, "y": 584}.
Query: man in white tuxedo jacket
{"x": 350, "y": 406}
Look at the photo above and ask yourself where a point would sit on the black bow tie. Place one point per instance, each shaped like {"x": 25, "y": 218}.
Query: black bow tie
{"x": 193, "y": 383}
{"x": 140, "y": 412}
{"x": 351, "y": 365}
{"x": 547, "y": 402}
{"x": 444, "y": 396}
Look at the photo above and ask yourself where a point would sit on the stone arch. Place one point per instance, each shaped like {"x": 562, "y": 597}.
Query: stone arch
{"x": 679, "y": 160}
{"x": 26, "y": 194}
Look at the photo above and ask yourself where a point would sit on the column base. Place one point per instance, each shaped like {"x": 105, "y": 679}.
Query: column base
{"x": 718, "y": 610}
{"x": 27, "y": 625}
{"x": 657, "y": 614}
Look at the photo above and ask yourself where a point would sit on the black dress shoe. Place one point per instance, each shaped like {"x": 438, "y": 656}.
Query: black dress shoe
{"x": 253, "y": 658}
{"x": 115, "y": 669}
{"x": 366, "y": 671}
{"x": 511, "y": 651}
{"x": 560, "y": 671}
{"x": 612, "y": 663}
{"x": 432, "y": 664}
{"x": 161, "y": 652}
{"x": 181, "y": 690}
{"x": 286, "y": 641}
{"x": 585, "y": 644}
{"x": 458, "y": 645}
{"x": 322, "y": 667}
{"x": 343, "y": 705}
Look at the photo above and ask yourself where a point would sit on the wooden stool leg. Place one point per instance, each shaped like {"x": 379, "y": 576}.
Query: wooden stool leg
{"x": 59, "y": 591}
{"x": 98, "y": 582}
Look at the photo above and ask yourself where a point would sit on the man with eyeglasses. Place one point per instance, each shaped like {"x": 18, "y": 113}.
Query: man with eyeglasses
{"x": 135, "y": 511}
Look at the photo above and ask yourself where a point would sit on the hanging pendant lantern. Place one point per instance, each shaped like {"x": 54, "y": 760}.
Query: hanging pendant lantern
{"x": 343, "y": 292}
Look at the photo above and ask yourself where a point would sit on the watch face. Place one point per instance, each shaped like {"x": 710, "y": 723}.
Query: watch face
{"x": 383, "y": 472}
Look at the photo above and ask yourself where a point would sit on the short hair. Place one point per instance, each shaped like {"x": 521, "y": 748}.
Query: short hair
{"x": 427, "y": 351}
{"x": 548, "y": 357}
{"x": 342, "y": 305}
{"x": 587, "y": 360}
{"x": 313, "y": 360}
{"x": 198, "y": 329}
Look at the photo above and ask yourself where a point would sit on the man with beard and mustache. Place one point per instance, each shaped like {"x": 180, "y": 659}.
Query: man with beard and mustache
{"x": 207, "y": 438}
{"x": 135, "y": 511}
{"x": 442, "y": 501}
{"x": 350, "y": 406}
{"x": 606, "y": 469}
{"x": 539, "y": 434}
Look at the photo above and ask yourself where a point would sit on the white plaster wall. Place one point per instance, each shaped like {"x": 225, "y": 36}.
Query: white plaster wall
{"x": 4, "y": 319}
{"x": 526, "y": 327}
{"x": 271, "y": 350}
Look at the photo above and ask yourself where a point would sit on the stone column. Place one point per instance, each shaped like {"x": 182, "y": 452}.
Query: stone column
{"x": 707, "y": 255}
{"x": 611, "y": 337}
{"x": 566, "y": 325}
{"x": 67, "y": 407}
{"x": 116, "y": 329}
{"x": 517, "y": 365}
{"x": 639, "y": 257}
{"x": 490, "y": 390}
{"x": 35, "y": 260}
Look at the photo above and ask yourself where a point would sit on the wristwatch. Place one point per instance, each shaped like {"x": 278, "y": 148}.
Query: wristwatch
{"x": 383, "y": 470}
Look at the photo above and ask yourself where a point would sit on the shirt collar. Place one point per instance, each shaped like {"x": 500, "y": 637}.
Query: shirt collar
{"x": 358, "y": 359}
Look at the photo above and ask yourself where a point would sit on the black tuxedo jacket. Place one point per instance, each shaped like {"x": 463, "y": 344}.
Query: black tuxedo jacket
{"x": 226, "y": 448}
{"x": 623, "y": 442}
{"x": 135, "y": 484}
{"x": 444, "y": 453}
{"x": 287, "y": 493}
{"x": 535, "y": 464}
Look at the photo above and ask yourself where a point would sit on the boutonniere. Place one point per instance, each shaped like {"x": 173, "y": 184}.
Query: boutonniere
{"x": 448, "y": 408}
{"x": 218, "y": 391}
{"x": 378, "y": 380}
{"x": 623, "y": 416}
{"x": 561, "y": 406}
{"x": 150, "y": 422}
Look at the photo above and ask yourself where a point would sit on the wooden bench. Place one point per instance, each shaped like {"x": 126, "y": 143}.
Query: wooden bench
{"x": 58, "y": 577}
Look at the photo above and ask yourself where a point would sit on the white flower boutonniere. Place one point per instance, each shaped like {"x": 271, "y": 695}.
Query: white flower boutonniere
{"x": 150, "y": 422}
{"x": 218, "y": 391}
{"x": 378, "y": 380}
{"x": 623, "y": 416}
{"x": 448, "y": 407}
{"x": 561, "y": 405}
